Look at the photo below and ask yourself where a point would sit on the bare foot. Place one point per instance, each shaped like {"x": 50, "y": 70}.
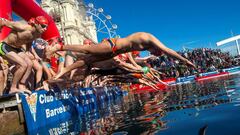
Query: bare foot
{"x": 45, "y": 86}
{"x": 39, "y": 88}
{"x": 60, "y": 74}
{"x": 14, "y": 91}
{"x": 27, "y": 91}
{"x": 22, "y": 86}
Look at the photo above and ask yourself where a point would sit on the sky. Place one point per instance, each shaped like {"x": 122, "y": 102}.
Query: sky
{"x": 177, "y": 23}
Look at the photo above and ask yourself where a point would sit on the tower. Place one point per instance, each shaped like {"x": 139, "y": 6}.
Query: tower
{"x": 71, "y": 20}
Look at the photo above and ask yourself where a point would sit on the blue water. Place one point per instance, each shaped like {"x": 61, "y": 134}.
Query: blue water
{"x": 211, "y": 107}
{"x": 187, "y": 109}
{"x": 214, "y": 104}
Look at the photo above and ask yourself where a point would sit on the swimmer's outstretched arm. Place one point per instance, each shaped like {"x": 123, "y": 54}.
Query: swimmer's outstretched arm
{"x": 146, "y": 58}
{"x": 131, "y": 59}
{"x": 169, "y": 51}
{"x": 126, "y": 66}
{"x": 13, "y": 25}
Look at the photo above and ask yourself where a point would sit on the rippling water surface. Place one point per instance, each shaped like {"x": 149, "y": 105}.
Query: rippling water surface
{"x": 211, "y": 107}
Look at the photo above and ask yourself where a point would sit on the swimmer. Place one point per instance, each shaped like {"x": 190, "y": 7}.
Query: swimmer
{"x": 112, "y": 47}
{"x": 11, "y": 47}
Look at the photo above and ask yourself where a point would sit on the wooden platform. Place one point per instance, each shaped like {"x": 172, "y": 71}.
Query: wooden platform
{"x": 11, "y": 115}
{"x": 8, "y": 101}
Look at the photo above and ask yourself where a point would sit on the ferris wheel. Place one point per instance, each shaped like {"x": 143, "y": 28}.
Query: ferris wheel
{"x": 104, "y": 26}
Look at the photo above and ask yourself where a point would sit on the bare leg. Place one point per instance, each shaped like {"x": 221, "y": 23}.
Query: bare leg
{"x": 46, "y": 70}
{"x": 45, "y": 86}
{"x": 2, "y": 81}
{"x": 22, "y": 66}
{"x": 61, "y": 65}
{"x": 3, "y": 74}
{"x": 22, "y": 84}
{"x": 139, "y": 41}
{"x": 87, "y": 60}
{"x": 75, "y": 65}
{"x": 87, "y": 49}
{"x": 39, "y": 71}
{"x": 69, "y": 61}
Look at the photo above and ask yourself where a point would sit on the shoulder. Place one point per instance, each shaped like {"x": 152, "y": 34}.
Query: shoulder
{"x": 24, "y": 25}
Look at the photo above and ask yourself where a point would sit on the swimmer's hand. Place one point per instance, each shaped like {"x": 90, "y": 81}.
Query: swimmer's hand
{"x": 189, "y": 63}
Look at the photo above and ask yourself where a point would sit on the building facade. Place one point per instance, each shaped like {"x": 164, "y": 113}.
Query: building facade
{"x": 71, "y": 20}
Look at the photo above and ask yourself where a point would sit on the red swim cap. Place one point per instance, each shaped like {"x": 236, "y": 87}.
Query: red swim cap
{"x": 38, "y": 20}
{"x": 136, "y": 53}
{"x": 41, "y": 20}
{"x": 87, "y": 41}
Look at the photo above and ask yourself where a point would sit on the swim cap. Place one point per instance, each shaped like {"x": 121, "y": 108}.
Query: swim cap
{"x": 41, "y": 20}
{"x": 145, "y": 70}
{"x": 38, "y": 20}
{"x": 136, "y": 53}
{"x": 87, "y": 41}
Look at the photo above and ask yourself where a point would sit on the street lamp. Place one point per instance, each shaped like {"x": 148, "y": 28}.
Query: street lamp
{"x": 108, "y": 17}
{"x": 100, "y": 10}
{"x": 90, "y": 5}
{"x": 114, "y": 26}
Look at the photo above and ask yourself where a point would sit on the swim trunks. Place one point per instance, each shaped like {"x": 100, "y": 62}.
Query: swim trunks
{"x": 5, "y": 49}
{"x": 69, "y": 53}
{"x": 112, "y": 42}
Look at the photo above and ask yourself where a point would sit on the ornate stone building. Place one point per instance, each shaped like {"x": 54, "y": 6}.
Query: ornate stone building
{"x": 71, "y": 20}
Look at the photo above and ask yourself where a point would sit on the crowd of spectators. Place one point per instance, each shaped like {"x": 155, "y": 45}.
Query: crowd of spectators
{"x": 205, "y": 59}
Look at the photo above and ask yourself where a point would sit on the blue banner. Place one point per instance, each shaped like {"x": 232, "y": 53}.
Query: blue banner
{"x": 66, "y": 111}
{"x": 46, "y": 109}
